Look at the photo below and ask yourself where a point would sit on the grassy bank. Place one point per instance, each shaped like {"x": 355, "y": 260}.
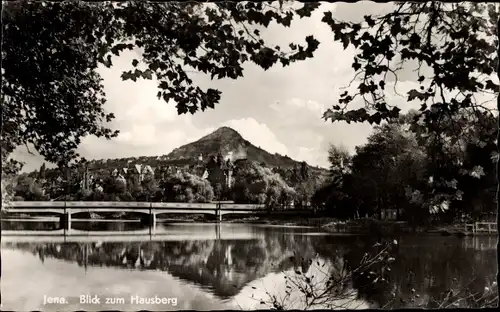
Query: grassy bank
{"x": 361, "y": 226}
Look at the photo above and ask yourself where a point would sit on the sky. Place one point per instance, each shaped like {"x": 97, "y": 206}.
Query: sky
{"x": 279, "y": 110}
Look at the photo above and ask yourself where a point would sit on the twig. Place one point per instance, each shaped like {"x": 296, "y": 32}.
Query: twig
{"x": 28, "y": 149}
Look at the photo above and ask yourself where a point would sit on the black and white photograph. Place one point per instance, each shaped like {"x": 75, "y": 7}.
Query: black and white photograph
{"x": 249, "y": 155}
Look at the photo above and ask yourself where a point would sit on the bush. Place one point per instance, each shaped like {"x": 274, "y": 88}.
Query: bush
{"x": 186, "y": 187}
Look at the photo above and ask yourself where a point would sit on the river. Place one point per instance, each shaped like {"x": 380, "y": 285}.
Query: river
{"x": 226, "y": 266}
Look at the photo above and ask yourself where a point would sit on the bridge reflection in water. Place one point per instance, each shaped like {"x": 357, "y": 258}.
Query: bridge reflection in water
{"x": 213, "y": 231}
{"x": 138, "y": 251}
{"x": 479, "y": 243}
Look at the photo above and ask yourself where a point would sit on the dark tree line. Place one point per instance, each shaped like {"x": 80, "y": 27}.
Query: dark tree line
{"x": 402, "y": 170}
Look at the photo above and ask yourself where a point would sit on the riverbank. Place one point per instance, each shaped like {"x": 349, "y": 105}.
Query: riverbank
{"x": 361, "y": 226}
{"x": 327, "y": 224}
{"x": 332, "y": 225}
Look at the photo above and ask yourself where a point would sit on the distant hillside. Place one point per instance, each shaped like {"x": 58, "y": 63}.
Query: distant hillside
{"x": 225, "y": 140}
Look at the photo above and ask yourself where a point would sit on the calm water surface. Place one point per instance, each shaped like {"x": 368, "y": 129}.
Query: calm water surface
{"x": 226, "y": 266}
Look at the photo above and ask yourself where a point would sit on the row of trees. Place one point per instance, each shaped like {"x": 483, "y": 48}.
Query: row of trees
{"x": 253, "y": 183}
{"x": 417, "y": 174}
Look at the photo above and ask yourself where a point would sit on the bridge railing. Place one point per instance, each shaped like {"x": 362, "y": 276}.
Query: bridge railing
{"x": 138, "y": 205}
{"x": 30, "y": 204}
{"x": 481, "y": 227}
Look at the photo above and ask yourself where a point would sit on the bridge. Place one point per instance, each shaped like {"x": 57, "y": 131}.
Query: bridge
{"x": 150, "y": 210}
{"x": 481, "y": 228}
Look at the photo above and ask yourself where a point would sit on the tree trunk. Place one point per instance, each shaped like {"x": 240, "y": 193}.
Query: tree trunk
{"x": 379, "y": 207}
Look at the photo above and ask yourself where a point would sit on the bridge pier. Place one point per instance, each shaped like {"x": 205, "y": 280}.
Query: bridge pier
{"x": 149, "y": 220}
{"x": 65, "y": 221}
{"x": 218, "y": 215}
{"x": 217, "y": 231}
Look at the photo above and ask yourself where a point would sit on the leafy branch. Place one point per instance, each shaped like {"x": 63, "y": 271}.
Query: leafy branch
{"x": 406, "y": 34}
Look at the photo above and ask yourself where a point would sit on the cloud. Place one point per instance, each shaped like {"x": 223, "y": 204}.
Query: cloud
{"x": 258, "y": 134}
{"x": 293, "y": 106}
{"x": 312, "y": 156}
{"x": 139, "y": 135}
{"x": 148, "y": 126}
{"x": 312, "y": 135}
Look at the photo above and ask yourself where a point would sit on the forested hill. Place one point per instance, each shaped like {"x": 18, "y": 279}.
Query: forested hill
{"x": 224, "y": 140}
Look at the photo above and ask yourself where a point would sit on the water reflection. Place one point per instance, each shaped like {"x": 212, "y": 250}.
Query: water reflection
{"x": 239, "y": 265}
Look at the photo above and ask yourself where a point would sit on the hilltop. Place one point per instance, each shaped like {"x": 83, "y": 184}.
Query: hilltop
{"x": 225, "y": 140}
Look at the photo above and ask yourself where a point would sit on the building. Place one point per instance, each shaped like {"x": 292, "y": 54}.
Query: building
{"x": 147, "y": 173}
{"x": 220, "y": 171}
{"x": 389, "y": 214}
{"x": 86, "y": 181}
{"x": 133, "y": 174}
{"x": 160, "y": 173}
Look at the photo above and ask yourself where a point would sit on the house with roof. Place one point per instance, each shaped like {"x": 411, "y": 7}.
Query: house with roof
{"x": 160, "y": 173}
{"x": 147, "y": 173}
{"x": 220, "y": 171}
